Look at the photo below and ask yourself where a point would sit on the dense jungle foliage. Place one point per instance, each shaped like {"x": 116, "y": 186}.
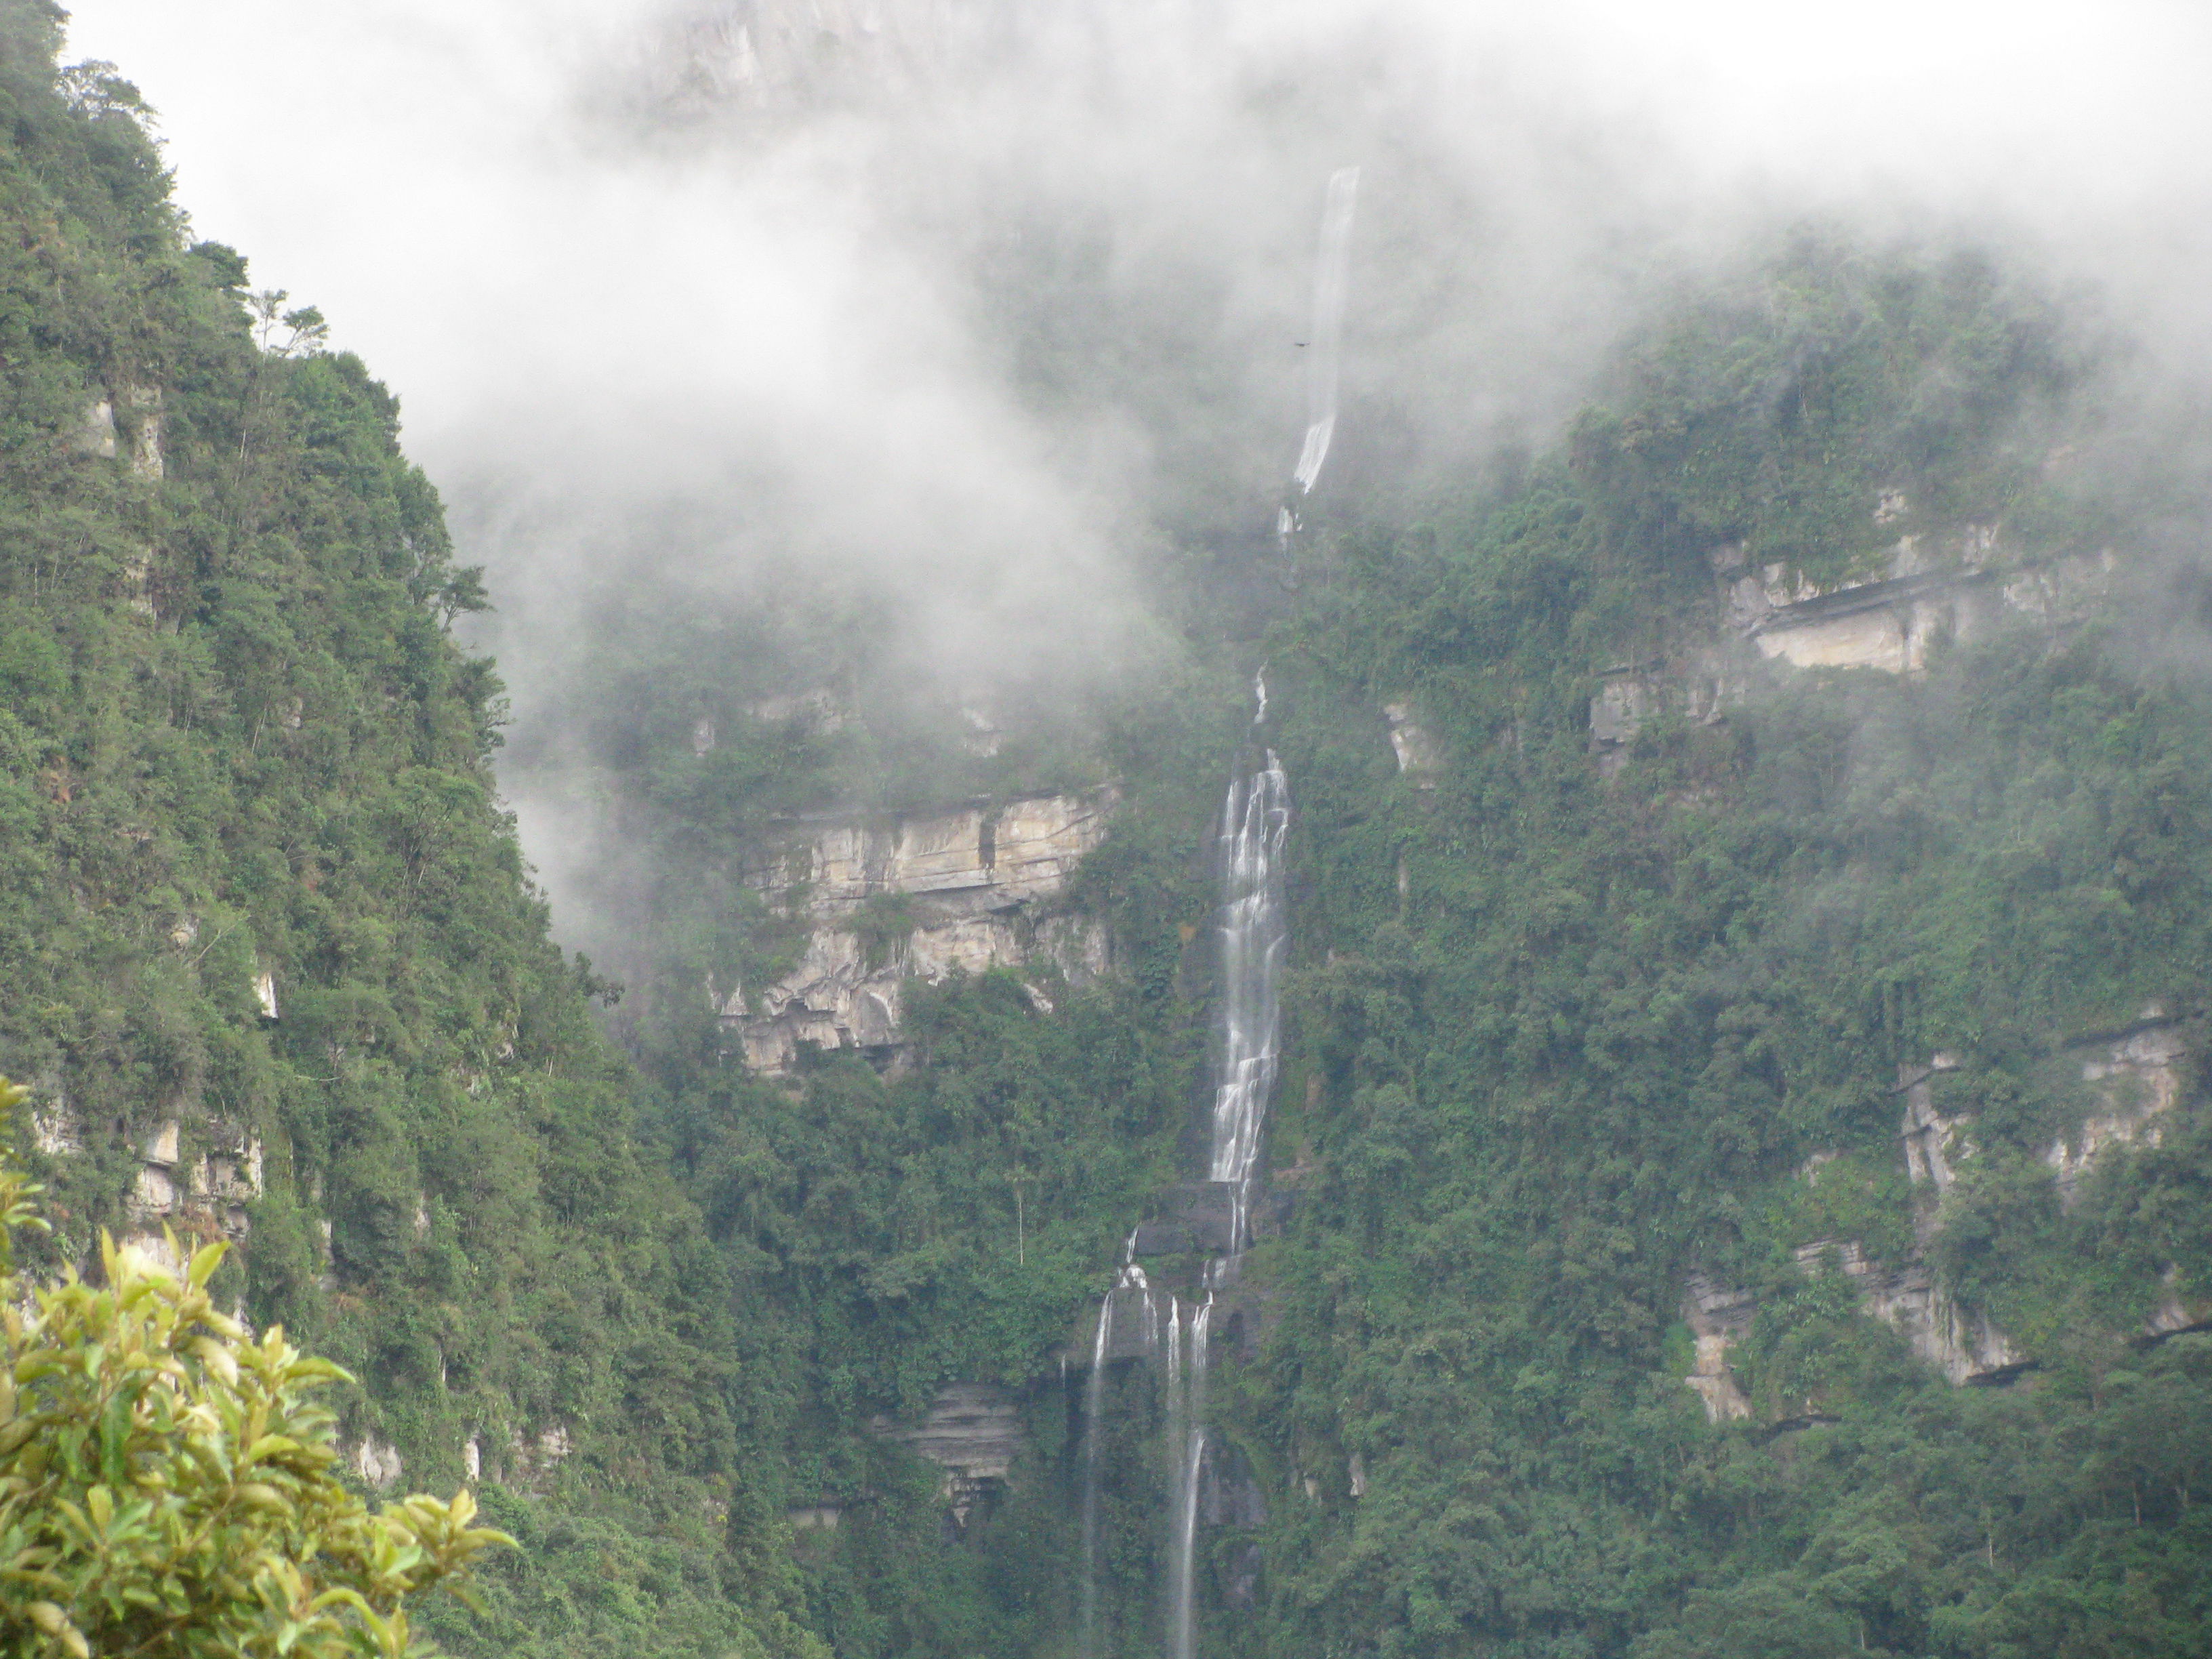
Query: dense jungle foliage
{"x": 238, "y": 740}
{"x": 1560, "y": 1035}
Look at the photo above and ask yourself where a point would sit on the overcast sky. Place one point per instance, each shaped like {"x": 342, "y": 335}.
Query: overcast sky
{"x": 403, "y": 163}
{"x": 769, "y": 347}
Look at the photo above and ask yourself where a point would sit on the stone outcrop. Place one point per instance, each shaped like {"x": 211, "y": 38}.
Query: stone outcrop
{"x": 1965, "y": 1347}
{"x": 1927, "y": 587}
{"x": 201, "y": 1197}
{"x": 1933, "y": 1143}
{"x": 139, "y": 437}
{"x": 1419, "y": 757}
{"x": 2135, "y": 1074}
{"x": 1700, "y": 685}
{"x": 1197, "y": 1217}
{"x": 377, "y": 1462}
{"x": 1953, "y": 586}
{"x": 1718, "y": 1317}
{"x": 973, "y": 1432}
{"x": 923, "y": 895}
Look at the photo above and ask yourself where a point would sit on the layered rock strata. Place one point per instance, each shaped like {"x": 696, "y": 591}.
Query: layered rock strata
{"x": 1953, "y": 586}
{"x": 886, "y": 897}
{"x": 973, "y": 1432}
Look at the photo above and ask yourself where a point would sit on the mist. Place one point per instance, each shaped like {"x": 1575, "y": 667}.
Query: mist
{"x": 959, "y": 313}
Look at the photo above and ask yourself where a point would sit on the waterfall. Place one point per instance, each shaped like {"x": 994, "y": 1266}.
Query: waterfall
{"x": 1326, "y": 347}
{"x": 1094, "y": 1420}
{"x": 1187, "y": 1450}
{"x": 1253, "y": 936}
{"x": 1254, "y": 819}
{"x": 1325, "y": 350}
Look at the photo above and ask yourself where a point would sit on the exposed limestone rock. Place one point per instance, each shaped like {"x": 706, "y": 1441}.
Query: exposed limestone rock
{"x": 531, "y": 1461}
{"x": 54, "y": 1128}
{"x": 377, "y": 1462}
{"x": 978, "y": 881}
{"x": 1718, "y": 1317}
{"x": 2173, "y": 1316}
{"x": 95, "y": 433}
{"x": 1700, "y": 685}
{"x": 203, "y": 1200}
{"x": 1966, "y": 1347}
{"x": 815, "y": 1518}
{"x": 1419, "y": 756}
{"x": 264, "y": 992}
{"x": 1928, "y": 590}
{"x": 2136, "y": 1074}
{"x": 143, "y": 414}
{"x": 1933, "y": 1143}
{"x": 973, "y": 1432}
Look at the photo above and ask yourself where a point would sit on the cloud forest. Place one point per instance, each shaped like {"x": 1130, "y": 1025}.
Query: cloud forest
{"x": 1171, "y": 830}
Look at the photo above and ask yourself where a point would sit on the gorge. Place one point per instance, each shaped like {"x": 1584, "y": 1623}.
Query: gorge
{"x": 828, "y": 1086}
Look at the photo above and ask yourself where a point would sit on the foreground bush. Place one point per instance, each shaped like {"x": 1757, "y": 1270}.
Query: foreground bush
{"x": 168, "y": 1487}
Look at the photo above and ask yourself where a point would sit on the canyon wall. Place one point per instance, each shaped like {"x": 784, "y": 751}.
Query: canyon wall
{"x": 878, "y": 898}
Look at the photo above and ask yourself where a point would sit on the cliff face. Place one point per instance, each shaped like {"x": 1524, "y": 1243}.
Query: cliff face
{"x": 923, "y": 895}
{"x": 275, "y": 976}
{"x": 2133, "y": 1078}
{"x": 1953, "y": 586}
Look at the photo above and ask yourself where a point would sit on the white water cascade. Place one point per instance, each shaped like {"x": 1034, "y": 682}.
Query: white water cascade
{"x": 1252, "y": 938}
{"x": 1187, "y": 1450}
{"x": 1325, "y": 350}
{"x": 1255, "y": 820}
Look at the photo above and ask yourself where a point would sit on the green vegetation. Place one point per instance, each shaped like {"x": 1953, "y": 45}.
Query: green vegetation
{"x": 1560, "y": 1036}
{"x": 168, "y": 1485}
{"x": 1594, "y": 1044}
{"x": 238, "y": 740}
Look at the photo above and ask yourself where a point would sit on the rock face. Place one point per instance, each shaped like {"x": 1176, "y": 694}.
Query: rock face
{"x": 2136, "y": 1074}
{"x": 1955, "y": 586}
{"x": 201, "y": 1198}
{"x": 1966, "y": 1347}
{"x": 1700, "y": 685}
{"x": 1933, "y": 1143}
{"x": 1419, "y": 757}
{"x": 924, "y": 895}
{"x": 1717, "y": 1317}
{"x": 973, "y": 1432}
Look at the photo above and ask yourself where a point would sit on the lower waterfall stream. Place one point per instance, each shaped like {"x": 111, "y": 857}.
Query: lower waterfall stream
{"x": 1252, "y": 937}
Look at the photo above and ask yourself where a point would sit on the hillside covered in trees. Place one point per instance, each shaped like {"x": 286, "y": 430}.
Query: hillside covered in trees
{"x": 1739, "y": 1179}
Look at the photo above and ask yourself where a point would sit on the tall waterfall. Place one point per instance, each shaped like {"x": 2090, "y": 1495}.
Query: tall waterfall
{"x": 1325, "y": 350}
{"x": 1254, "y": 819}
{"x": 1326, "y": 347}
{"x": 1253, "y": 936}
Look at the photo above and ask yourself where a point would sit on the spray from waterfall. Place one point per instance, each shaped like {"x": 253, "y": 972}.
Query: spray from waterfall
{"x": 1187, "y": 1446}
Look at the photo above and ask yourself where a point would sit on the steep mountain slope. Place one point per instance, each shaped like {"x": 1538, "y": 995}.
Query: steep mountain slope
{"x": 1740, "y": 1170}
{"x": 271, "y": 960}
{"x": 1744, "y": 1167}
